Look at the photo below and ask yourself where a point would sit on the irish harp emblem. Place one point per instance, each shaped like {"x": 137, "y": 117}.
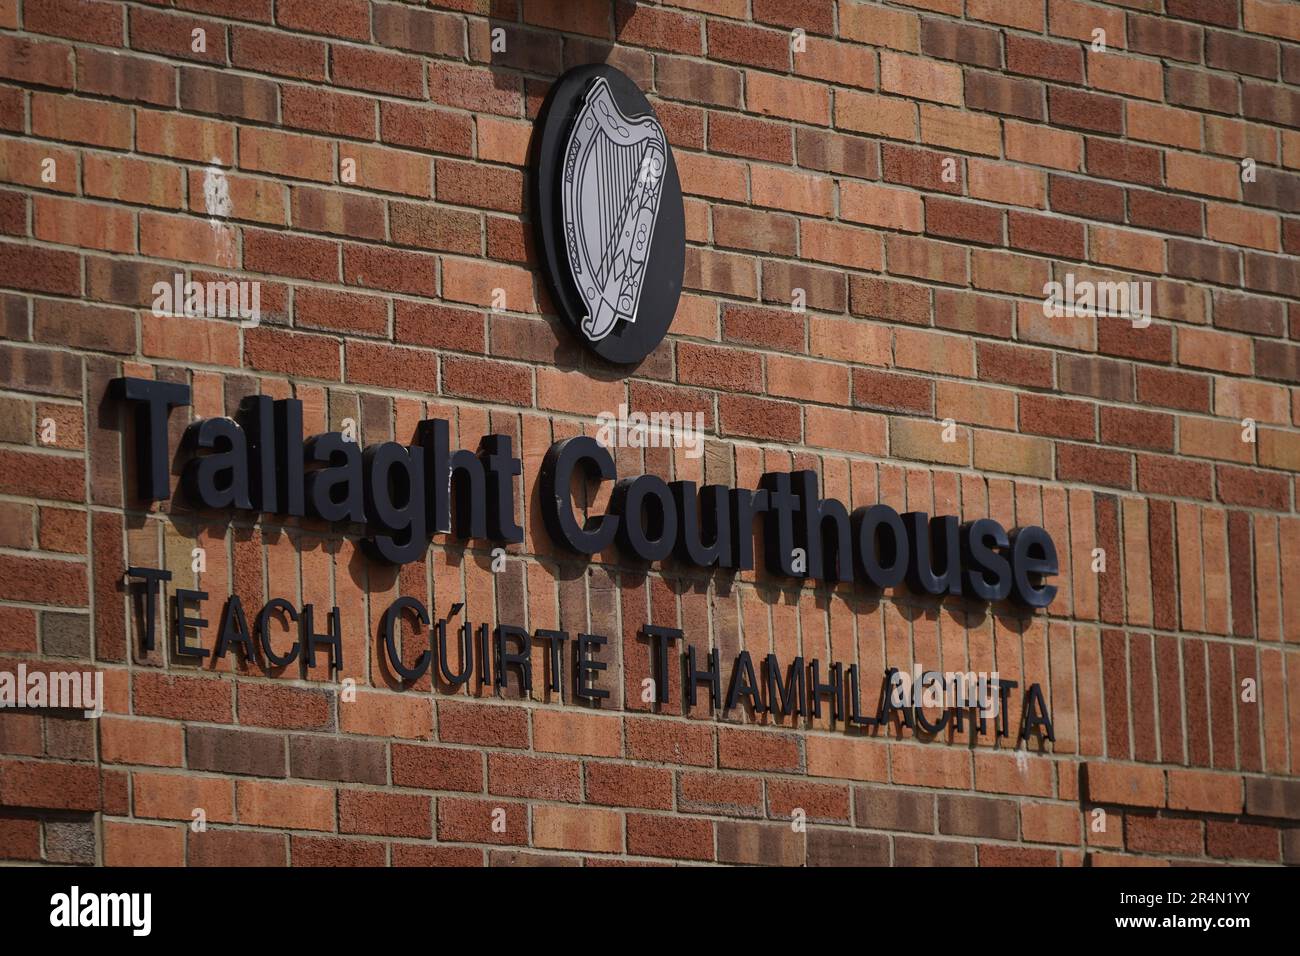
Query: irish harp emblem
{"x": 613, "y": 176}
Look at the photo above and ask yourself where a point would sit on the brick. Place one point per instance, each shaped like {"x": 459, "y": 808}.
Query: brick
{"x": 957, "y": 129}
{"x": 1046, "y": 59}
{"x": 917, "y": 167}
{"x": 136, "y": 844}
{"x": 39, "y": 269}
{"x": 1083, "y": 197}
{"x": 892, "y": 392}
{"x": 220, "y": 750}
{"x": 171, "y": 36}
{"x": 628, "y": 785}
{"x": 1168, "y": 125}
{"x": 1049, "y": 823}
{"x": 471, "y": 821}
{"x": 321, "y": 111}
{"x": 1007, "y": 184}
{"x": 184, "y": 137}
{"x": 800, "y": 100}
{"x": 394, "y": 715}
{"x": 971, "y": 222}
{"x": 758, "y": 844}
{"x": 575, "y": 828}
{"x": 93, "y": 22}
{"x": 796, "y": 192}
{"x": 1160, "y": 835}
{"x": 676, "y": 838}
{"x": 978, "y": 817}
{"x": 751, "y": 46}
{"x": 491, "y": 726}
{"x": 845, "y": 758}
{"x": 591, "y": 735}
{"x": 1267, "y": 797}
{"x": 1207, "y": 176}
{"x": 884, "y": 116}
{"x": 268, "y": 51}
{"x": 434, "y": 768}
{"x": 332, "y": 851}
{"x": 93, "y": 328}
{"x": 221, "y": 94}
{"x": 915, "y": 77}
{"x": 342, "y": 18}
{"x": 324, "y": 758}
{"x": 1205, "y": 792}
{"x": 1166, "y": 213}
{"x": 918, "y": 852}
{"x": 698, "y": 82}
{"x": 394, "y": 74}
{"x": 965, "y": 43}
{"x": 287, "y": 154}
{"x": 669, "y": 742}
{"x": 182, "y": 698}
{"x": 55, "y": 116}
{"x": 755, "y": 139}
{"x": 1010, "y": 96}
{"x": 262, "y": 705}
{"x": 1241, "y": 841}
{"x": 833, "y": 152}
{"x": 236, "y": 848}
{"x": 386, "y": 366}
{"x": 284, "y": 805}
{"x": 433, "y": 130}
{"x": 36, "y": 61}
{"x": 1080, "y": 110}
{"x": 43, "y": 784}
{"x": 272, "y": 350}
{"x": 174, "y": 796}
{"x": 1114, "y": 73}
{"x": 385, "y": 814}
{"x": 1042, "y": 146}
{"x": 758, "y": 418}
{"x": 541, "y": 778}
{"x": 1126, "y": 785}
{"x": 1046, "y": 235}
{"x": 881, "y": 206}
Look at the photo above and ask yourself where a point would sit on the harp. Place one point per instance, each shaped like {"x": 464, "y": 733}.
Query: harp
{"x": 613, "y": 176}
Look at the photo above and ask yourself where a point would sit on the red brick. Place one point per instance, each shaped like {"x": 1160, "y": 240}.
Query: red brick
{"x": 1241, "y": 841}
{"x": 286, "y": 805}
{"x": 670, "y": 837}
{"x": 136, "y": 844}
{"x": 89, "y": 21}
{"x": 341, "y": 18}
{"x": 55, "y": 786}
{"x": 385, "y": 814}
{"x": 486, "y": 726}
{"x": 1126, "y": 785}
{"x": 273, "y": 350}
{"x": 482, "y": 821}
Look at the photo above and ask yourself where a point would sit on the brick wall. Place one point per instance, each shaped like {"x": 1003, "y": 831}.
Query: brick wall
{"x": 821, "y": 169}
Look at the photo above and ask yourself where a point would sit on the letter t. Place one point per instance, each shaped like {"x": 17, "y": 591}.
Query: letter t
{"x": 154, "y": 401}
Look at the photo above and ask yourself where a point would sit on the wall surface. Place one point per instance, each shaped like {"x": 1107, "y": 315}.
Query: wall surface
{"x": 818, "y": 165}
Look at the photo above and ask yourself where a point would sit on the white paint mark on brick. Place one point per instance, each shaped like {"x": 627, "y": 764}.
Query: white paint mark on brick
{"x": 216, "y": 192}
{"x": 217, "y": 203}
